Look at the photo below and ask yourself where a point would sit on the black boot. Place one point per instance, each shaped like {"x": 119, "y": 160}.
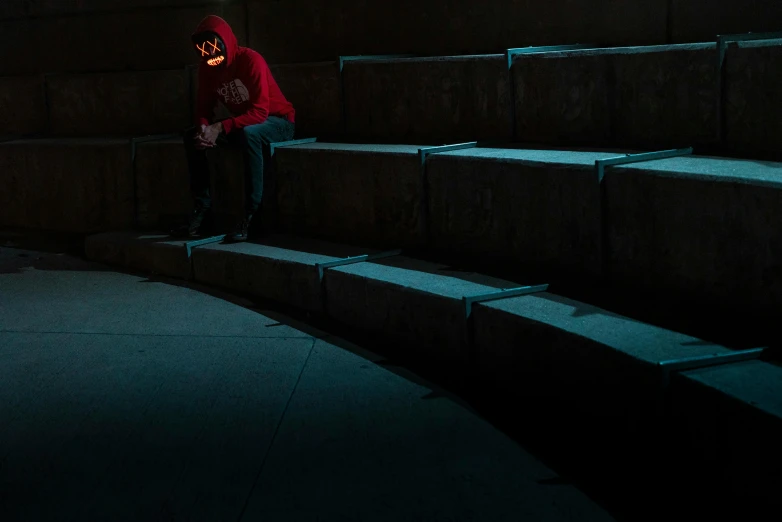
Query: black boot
{"x": 241, "y": 232}
{"x": 195, "y": 225}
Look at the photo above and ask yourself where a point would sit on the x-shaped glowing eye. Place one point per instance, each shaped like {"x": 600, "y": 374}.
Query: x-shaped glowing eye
{"x": 203, "y": 50}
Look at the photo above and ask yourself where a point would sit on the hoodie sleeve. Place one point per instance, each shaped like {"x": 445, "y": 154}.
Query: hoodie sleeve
{"x": 205, "y": 101}
{"x": 258, "y": 87}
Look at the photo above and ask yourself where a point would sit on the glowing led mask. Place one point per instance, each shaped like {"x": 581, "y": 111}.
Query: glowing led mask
{"x": 210, "y": 49}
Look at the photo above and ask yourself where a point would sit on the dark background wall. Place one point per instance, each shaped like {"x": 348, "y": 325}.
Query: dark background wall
{"x": 77, "y": 35}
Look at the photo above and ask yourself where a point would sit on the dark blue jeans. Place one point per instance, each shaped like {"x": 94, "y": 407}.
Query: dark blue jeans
{"x": 254, "y": 142}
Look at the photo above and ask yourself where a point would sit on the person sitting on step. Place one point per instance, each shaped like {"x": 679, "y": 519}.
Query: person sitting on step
{"x": 239, "y": 80}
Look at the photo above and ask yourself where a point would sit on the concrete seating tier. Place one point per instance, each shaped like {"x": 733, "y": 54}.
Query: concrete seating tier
{"x": 541, "y": 350}
{"x": 656, "y": 227}
{"x": 644, "y": 97}
{"x": 150, "y": 102}
{"x": 58, "y": 32}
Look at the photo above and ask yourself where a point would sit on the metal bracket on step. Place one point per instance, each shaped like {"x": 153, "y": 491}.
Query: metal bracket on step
{"x": 469, "y": 301}
{"x": 722, "y": 47}
{"x": 705, "y": 361}
{"x": 426, "y": 151}
{"x": 511, "y": 53}
{"x": 190, "y": 245}
{"x": 321, "y": 267}
{"x": 279, "y": 144}
{"x": 601, "y": 164}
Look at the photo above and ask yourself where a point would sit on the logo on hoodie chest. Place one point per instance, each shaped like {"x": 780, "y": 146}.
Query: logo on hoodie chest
{"x": 234, "y": 92}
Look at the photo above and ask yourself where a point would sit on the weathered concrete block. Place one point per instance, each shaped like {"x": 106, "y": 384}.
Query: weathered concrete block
{"x": 558, "y": 351}
{"x": 366, "y": 194}
{"x": 730, "y": 419}
{"x": 133, "y": 103}
{"x": 23, "y": 105}
{"x": 66, "y": 185}
{"x": 703, "y": 20}
{"x": 650, "y": 97}
{"x": 148, "y": 39}
{"x": 314, "y": 91}
{"x": 428, "y": 100}
{"x": 162, "y": 183}
{"x": 156, "y": 254}
{"x": 282, "y": 269}
{"x": 539, "y": 209}
{"x": 421, "y": 310}
{"x": 665, "y": 96}
{"x": 753, "y": 101}
{"x": 562, "y": 97}
{"x": 701, "y": 229}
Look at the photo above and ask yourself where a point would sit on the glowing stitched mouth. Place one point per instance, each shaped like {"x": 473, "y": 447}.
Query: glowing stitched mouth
{"x": 217, "y": 60}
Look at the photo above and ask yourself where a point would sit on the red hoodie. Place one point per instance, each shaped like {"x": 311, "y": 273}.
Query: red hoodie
{"x": 244, "y": 83}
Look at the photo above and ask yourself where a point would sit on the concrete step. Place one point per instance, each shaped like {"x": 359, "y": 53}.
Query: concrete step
{"x": 753, "y": 106}
{"x": 646, "y": 97}
{"x": 152, "y": 102}
{"x": 154, "y": 38}
{"x": 369, "y": 194}
{"x": 540, "y": 351}
{"x": 697, "y": 228}
{"x": 66, "y": 185}
{"x": 429, "y": 100}
{"x": 23, "y": 105}
{"x": 652, "y": 97}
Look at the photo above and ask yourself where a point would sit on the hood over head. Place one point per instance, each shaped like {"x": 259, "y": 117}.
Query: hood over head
{"x": 215, "y": 24}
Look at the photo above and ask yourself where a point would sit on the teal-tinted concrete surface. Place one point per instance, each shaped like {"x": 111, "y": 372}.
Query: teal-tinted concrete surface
{"x": 124, "y": 398}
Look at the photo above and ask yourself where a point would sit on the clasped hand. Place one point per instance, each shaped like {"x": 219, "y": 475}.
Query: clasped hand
{"x": 207, "y": 138}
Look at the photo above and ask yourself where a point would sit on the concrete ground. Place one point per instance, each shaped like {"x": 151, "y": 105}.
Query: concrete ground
{"x": 125, "y": 398}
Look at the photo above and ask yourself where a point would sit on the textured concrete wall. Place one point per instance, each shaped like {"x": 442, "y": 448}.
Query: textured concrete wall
{"x": 428, "y": 100}
{"x": 314, "y": 91}
{"x": 313, "y": 30}
{"x": 139, "y": 40}
{"x": 323, "y": 30}
{"x": 75, "y": 186}
{"x": 127, "y": 104}
{"x": 644, "y": 97}
{"x": 702, "y": 20}
{"x": 753, "y": 99}
{"x": 22, "y": 105}
{"x": 19, "y": 8}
